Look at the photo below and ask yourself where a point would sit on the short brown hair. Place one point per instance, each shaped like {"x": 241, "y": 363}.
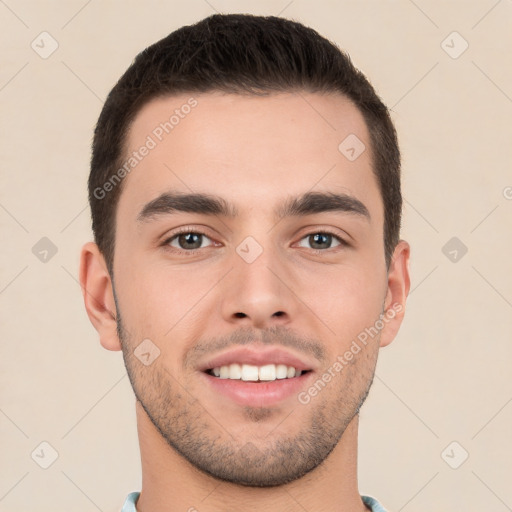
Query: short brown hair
{"x": 240, "y": 54}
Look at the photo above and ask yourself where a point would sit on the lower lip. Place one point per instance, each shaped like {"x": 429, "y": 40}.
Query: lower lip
{"x": 258, "y": 394}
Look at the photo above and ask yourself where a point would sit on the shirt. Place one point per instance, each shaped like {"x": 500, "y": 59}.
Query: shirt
{"x": 129, "y": 504}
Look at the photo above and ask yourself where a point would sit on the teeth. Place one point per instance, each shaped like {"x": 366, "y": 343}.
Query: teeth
{"x": 282, "y": 371}
{"x": 235, "y": 371}
{"x": 249, "y": 372}
{"x": 267, "y": 372}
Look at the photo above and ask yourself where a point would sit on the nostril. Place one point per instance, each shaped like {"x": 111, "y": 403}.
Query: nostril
{"x": 240, "y": 315}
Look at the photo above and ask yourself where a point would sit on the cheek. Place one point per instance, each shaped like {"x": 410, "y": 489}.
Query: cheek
{"x": 159, "y": 301}
{"x": 349, "y": 301}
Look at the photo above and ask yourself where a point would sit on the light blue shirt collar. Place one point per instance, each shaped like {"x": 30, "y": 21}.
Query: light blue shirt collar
{"x": 131, "y": 500}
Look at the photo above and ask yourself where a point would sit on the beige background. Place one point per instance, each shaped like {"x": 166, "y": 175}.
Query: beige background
{"x": 447, "y": 375}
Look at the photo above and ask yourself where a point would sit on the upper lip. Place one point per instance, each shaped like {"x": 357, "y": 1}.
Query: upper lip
{"x": 256, "y": 357}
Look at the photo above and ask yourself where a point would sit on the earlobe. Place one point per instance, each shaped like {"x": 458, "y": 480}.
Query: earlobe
{"x": 399, "y": 284}
{"x": 98, "y": 295}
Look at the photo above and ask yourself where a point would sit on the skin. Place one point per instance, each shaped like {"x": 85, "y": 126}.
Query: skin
{"x": 198, "y": 448}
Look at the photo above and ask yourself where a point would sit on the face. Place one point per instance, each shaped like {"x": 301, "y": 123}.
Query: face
{"x": 283, "y": 258}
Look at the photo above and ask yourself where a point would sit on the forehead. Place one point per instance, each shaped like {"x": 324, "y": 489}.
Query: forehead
{"x": 250, "y": 149}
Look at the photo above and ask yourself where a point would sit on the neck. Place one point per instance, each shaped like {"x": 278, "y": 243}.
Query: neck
{"x": 170, "y": 483}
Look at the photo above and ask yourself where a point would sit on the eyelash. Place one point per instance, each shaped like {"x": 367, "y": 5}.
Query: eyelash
{"x": 182, "y": 231}
{"x": 342, "y": 242}
{"x": 195, "y": 231}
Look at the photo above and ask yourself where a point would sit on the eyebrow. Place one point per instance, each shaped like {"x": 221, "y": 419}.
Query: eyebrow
{"x": 207, "y": 204}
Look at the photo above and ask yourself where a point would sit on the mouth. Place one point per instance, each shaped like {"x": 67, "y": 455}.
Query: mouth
{"x": 254, "y": 374}
{"x": 254, "y": 391}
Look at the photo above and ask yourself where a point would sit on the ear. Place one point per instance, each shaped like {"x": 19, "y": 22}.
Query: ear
{"x": 98, "y": 295}
{"x": 399, "y": 284}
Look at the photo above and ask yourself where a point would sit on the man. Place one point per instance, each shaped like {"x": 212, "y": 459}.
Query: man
{"x": 246, "y": 205}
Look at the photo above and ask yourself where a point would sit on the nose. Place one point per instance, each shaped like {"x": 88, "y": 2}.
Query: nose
{"x": 257, "y": 293}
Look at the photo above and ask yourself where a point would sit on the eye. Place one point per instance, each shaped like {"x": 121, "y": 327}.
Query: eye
{"x": 322, "y": 240}
{"x": 187, "y": 241}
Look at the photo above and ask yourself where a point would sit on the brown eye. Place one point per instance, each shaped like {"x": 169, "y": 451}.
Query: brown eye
{"x": 187, "y": 241}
